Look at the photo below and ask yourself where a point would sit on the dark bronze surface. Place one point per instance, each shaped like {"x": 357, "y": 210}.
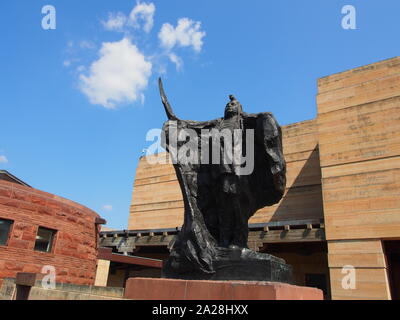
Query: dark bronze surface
{"x": 218, "y": 201}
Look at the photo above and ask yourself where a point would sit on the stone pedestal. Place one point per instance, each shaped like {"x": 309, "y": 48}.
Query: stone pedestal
{"x": 173, "y": 289}
{"x": 236, "y": 264}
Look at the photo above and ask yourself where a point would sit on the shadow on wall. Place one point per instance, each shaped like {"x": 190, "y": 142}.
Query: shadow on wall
{"x": 303, "y": 199}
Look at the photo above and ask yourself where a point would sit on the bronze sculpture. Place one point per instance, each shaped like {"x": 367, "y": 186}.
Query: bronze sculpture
{"x": 221, "y": 192}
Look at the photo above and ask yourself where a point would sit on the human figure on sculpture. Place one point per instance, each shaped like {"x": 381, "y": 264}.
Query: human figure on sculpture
{"x": 233, "y": 230}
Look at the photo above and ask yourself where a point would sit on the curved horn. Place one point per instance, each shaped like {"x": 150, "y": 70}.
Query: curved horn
{"x": 167, "y": 107}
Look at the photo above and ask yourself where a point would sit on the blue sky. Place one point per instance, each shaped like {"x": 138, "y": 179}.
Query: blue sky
{"x": 77, "y": 101}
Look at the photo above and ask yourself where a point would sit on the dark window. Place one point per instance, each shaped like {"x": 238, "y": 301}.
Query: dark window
{"x": 392, "y": 252}
{"x": 5, "y": 227}
{"x": 44, "y": 239}
{"x": 317, "y": 280}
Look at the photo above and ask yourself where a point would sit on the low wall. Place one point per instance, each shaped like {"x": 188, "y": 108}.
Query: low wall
{"x": 63, "y": 291}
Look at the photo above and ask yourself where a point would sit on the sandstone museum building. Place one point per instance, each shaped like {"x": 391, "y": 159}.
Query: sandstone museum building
{"x": 341, "y": 208}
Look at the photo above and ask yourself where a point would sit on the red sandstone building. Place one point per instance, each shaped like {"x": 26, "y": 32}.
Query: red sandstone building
{"x": 40, "y": 229}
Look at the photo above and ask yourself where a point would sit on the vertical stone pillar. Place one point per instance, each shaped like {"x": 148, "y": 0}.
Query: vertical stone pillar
{"x": 103, "y": 269}
{"x": 359, "y": 145}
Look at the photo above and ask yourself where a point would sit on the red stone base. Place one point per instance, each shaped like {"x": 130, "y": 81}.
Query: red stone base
{"x": 171, "y": 289}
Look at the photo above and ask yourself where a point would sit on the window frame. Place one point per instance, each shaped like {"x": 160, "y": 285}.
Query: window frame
{"x": 9, "y": 231}
{"x": 51, "y": 242}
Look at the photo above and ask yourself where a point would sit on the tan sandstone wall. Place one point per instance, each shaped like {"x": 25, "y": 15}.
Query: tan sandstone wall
{"x": 359, "y": 142}
{"x": 353, "y": 147}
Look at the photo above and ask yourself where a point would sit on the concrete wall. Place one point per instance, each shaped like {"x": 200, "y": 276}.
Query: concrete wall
{"x": 120, "y": 275}
{"x": 62, "y": 292}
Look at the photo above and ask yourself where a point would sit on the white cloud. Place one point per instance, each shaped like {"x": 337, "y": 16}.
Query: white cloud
{"x": 107, "y": 207}
{"x": 144, "y": 12}
{"x": 176, "y": 60}
{"x": 3, "y": 159}
{"x": 187, "y": 33}
{"x": 70, "y": 61}
{"x": 115, "y": 22}
{"x": 85, "y": 44}
{"x": 119, "y": 76}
